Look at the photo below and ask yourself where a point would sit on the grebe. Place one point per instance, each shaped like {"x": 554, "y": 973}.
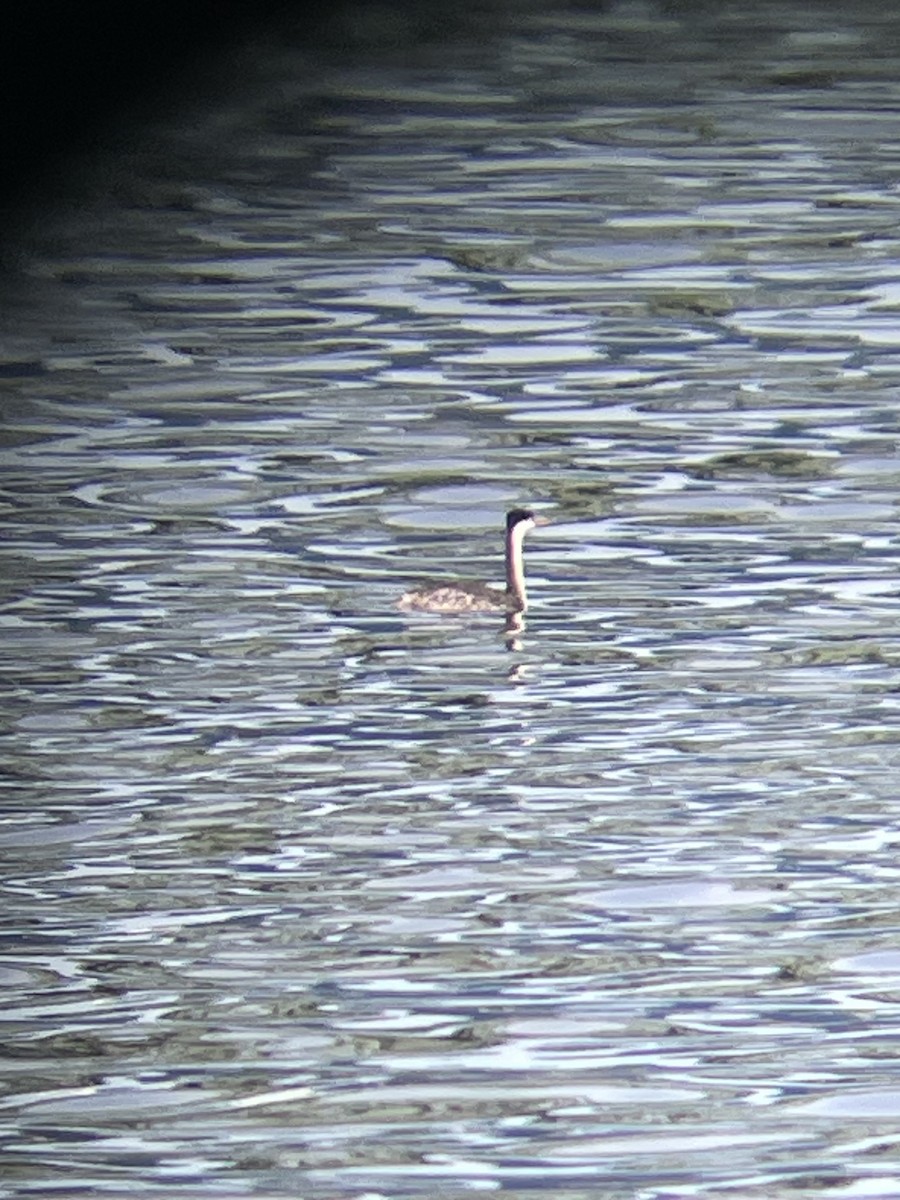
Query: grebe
{"x": 477, "y": 597}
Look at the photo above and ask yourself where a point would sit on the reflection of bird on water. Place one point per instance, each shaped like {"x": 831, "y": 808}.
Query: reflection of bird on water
{"x": 477, "y": 597}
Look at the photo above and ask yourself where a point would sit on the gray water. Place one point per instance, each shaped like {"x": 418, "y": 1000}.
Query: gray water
{"x": 307, "y": 897}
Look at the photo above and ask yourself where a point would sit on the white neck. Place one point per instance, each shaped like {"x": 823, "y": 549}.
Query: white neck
{"x": 515, "y": 570}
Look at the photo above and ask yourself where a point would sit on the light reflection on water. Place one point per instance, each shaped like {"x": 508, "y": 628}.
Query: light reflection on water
{"x": 306, "y": 896}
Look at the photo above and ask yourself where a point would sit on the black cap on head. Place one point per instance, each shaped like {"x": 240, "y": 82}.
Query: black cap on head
{"x": 516, "y": 515}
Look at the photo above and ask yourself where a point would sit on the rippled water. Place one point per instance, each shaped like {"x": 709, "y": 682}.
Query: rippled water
{"x": 307, "y": 897}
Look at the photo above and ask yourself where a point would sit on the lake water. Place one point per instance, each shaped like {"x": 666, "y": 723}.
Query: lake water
{"x": 303, "y": 896}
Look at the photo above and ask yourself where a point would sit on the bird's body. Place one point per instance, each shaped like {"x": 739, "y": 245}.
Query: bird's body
{"x": 463, "y": 596}
{"x": 474, "y": 597}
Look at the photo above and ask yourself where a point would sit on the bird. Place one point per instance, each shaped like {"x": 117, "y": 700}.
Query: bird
{"x": 474, "y": 597}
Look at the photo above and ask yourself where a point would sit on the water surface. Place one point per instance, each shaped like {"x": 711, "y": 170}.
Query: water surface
{"x": 306, "y": 896}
